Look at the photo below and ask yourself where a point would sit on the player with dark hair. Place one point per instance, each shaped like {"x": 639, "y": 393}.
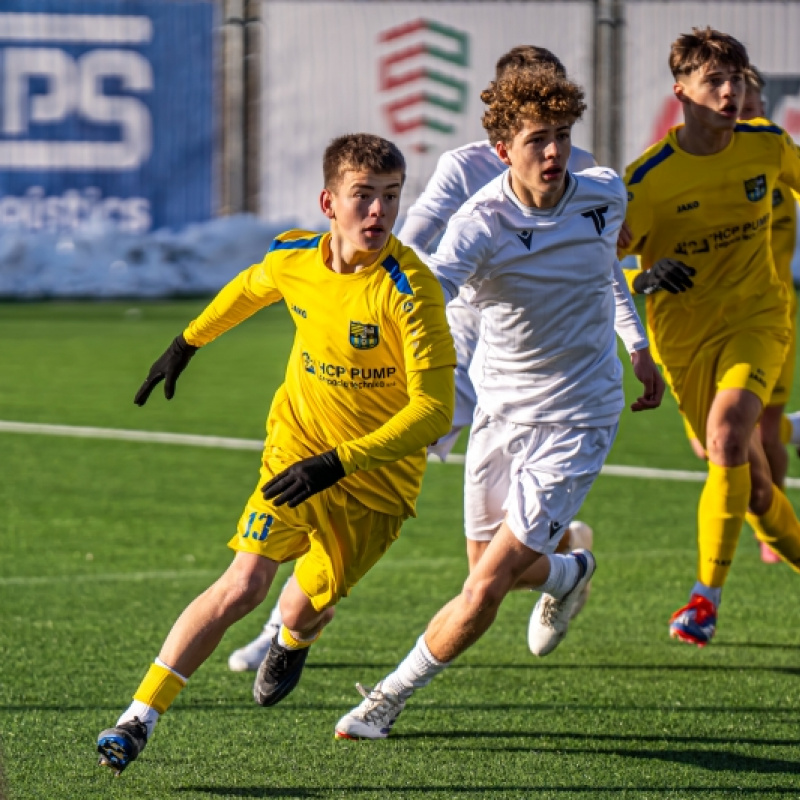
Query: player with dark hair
{"x": 458, "y": 175}
{"x": 369, "y": 385}
{"x": 700, "y": 208}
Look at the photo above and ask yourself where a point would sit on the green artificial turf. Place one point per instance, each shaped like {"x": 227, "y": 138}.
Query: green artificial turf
{"x": 103, "y": 543}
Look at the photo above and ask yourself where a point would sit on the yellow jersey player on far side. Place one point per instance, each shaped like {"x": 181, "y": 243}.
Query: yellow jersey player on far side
{"x": 699, "y": 207}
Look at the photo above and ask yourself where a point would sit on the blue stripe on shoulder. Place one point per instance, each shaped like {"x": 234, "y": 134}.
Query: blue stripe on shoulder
{"x": 392, "y": 266}
{"x": 294, "y": 244}
{"x": 744, "y": 127}
{"x": 643, "y": 169}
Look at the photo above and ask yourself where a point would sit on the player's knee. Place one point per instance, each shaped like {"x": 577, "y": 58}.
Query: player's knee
{"x": 241, "y": 591}
{"x": 727, "y": 444}
{"x": 483, "y": 596}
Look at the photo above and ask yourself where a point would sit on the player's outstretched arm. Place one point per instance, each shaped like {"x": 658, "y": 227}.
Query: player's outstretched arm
{"x": 668, "y": 274}
{"x": 645, "y": 369}
{"x": 168, "y": 367}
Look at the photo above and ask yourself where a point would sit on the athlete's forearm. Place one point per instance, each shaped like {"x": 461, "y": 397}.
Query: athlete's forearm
{"x": 427, "y": 417}
{"x": 236, "y": 301}
{"x": 627, "y": 324}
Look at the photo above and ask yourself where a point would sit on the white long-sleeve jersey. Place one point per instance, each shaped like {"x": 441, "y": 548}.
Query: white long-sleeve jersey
{"x": 458, "y": 175}
{"x": 549, "y": 289}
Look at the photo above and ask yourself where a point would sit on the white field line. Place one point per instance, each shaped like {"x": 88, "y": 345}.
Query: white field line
{"x": 228, "y": 443}
{"x": 406, "y": 564}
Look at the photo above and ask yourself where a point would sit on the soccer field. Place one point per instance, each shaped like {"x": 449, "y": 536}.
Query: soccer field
{"x": 103, "y": 542}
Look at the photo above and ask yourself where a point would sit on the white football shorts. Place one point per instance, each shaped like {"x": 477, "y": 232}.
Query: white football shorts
{"x": 535, "y": 477}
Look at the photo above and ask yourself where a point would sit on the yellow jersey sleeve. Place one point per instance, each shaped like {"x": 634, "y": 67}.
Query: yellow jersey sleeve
{"x": 249, "y": 291}
{"x": 427, "y": 416}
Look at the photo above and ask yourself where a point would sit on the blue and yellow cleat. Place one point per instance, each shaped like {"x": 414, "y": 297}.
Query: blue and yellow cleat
{"x": 120, "y": 745}
{"x": 696, "y": 622}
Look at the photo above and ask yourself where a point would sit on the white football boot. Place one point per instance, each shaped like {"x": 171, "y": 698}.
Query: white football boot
{"x": 550, "y": 618}
{"x": 581, "y": 537}
{"x": 373, "y": 718}
{"x": 249, "y": 657}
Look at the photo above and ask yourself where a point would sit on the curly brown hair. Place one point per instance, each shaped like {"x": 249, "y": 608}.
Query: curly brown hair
{"x": 702, "y": 46}
{"x": 522, "y": 95}
{"x": 360, "y": 151}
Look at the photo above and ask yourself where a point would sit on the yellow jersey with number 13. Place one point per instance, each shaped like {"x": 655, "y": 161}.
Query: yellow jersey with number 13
{"x": 359, "y": 339}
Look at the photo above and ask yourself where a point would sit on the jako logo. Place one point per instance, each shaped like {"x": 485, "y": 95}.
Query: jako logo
{"x": 419, "y": 77}
{"x": 44, "y": 86}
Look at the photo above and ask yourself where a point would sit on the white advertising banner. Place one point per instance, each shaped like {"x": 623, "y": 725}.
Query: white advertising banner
{"x": 769, "y": 30}
{"x": 409, "y": 71}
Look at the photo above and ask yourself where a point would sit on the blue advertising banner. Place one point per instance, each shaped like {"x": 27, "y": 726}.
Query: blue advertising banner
{"x": 106, "y": 114}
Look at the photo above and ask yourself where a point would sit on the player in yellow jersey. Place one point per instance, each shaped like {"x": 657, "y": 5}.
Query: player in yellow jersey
{"x": 774, "y": 428}
{"x": 699, "y": 207}
{"x": 369, "y": 384}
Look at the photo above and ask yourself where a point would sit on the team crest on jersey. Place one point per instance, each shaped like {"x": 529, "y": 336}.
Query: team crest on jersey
{"x": 525, "y": 237}
{"x": 363, "y": 336}
{"x": 756, "y": 187}
{"x": 777, "y": 197}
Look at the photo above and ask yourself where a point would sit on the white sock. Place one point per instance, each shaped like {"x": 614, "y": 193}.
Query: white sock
{"x": 709, "y": 592}
{"x": 147, "y": 714}
{"x": 416, "y": 670}
{"x": 794, "y": 418}
{"x": 275, "y": 617}
{"x": 565, "y": 571}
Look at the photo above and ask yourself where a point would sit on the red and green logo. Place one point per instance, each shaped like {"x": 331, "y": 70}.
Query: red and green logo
{"x": 420, "y": 74}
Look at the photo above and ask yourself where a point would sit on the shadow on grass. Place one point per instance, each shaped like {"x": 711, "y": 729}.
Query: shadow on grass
{"x": 289, "y": 792}
{"x": 246, "y": 705}
{"x": 705, "y": 759}
{"x": 598, "y": 737}
{"x": 756, "y": 646}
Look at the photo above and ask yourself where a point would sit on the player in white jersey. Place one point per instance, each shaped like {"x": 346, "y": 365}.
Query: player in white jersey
{"x": 537, "y": 246}
{"x": 458, "y": 175}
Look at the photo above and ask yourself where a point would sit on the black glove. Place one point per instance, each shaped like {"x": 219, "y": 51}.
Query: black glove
{"x": 304, "y": 479}
{"x": 666, "y": 273}
{"x": 167, "y": 369}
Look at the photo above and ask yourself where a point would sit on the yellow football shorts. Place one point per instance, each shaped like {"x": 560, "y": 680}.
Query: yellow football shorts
{"x": 751, "y": 360}
{"x": 334, "y": 538}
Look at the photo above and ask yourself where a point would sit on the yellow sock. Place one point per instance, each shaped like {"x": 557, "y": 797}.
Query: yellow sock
{"x": 720, "y": 514}
{"x": 288, "y": 641}
{"x": 786, "y": 429}
{"x": 779, "y": 528}
{"x": 159, "y": 688}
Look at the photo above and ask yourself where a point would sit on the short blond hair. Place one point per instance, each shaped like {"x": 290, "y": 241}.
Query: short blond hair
{"x": 754, "y": 79}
